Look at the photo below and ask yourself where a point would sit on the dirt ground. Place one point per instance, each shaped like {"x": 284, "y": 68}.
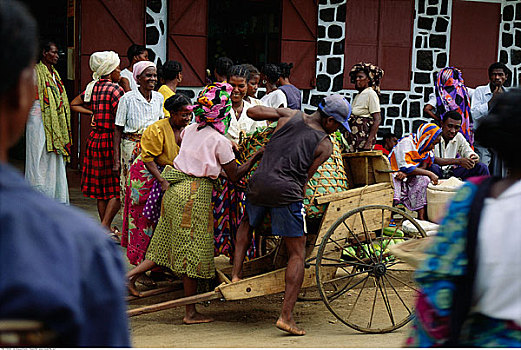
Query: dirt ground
{"x": 250, "y": 322}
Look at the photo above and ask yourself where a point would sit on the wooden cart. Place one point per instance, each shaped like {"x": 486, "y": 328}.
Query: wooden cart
{"x": 348, "y": 265}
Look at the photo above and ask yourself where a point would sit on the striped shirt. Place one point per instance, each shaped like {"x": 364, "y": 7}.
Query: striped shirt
{"x": 135, "y": 113}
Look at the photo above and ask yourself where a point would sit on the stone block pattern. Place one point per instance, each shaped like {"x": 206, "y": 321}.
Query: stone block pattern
{"x": 401, "y": 110}
{"x": 510, "y": 39}
{"x": 156, "y": 30}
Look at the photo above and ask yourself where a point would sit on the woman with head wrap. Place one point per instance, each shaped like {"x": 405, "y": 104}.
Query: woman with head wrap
{"x": 365, "y": 118}
{"x": 229, "y": 204}
{"x": 452, "y": 95}
{"x": 183, "y": 239}
{"x": 171, "y": 76}
{"x": 136, "y": 111}
{"x": 410, "y": 159}
{"x": 48, "y": 133}
{"x": 100, "y": 100}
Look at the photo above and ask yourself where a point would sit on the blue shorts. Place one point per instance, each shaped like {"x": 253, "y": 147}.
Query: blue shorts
{"x": 286, "y": 221}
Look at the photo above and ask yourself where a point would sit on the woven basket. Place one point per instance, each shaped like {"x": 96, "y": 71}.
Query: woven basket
{"x": 329, "y": 178}
{"x": 249, "y": 144}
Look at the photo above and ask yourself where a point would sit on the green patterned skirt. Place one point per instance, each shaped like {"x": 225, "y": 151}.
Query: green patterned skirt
{"x": 183, "y": 239}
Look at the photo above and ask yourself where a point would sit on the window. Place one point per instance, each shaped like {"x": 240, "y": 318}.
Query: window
{"x": 380, "y": 32}
{"x": 254, "y": 31}
{"x": 246, "y": 31}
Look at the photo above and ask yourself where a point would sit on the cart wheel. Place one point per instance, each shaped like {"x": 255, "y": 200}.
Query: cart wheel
{"x": 361, "y": 283}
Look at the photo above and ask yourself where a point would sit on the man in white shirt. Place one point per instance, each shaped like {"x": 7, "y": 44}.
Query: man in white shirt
{"x": 483, "y": 99}
{"x": 453, "y": 155}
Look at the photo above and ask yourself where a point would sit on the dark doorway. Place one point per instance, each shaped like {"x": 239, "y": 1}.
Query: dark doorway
{"x": 247, "y": 31}
{"x": 52, "y": 25}
{"x": 51, "y": 17}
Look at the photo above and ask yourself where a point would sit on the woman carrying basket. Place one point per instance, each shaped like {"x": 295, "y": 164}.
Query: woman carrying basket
{"x": 183, "y": 239}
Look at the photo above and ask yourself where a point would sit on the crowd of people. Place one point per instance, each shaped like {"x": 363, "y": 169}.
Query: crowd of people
{"x": 170, "y": 166}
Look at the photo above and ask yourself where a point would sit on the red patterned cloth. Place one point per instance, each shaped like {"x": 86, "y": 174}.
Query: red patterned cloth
{"x": 98, "y": 180}
{"x": 137, "y": 228}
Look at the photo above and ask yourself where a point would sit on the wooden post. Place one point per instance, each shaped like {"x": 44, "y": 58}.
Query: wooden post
{"x": 175, "y": 303}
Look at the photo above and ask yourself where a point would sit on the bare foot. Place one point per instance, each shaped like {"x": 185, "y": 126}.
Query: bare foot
{"x": 235, "y": 279}
{"x": 196, "y": 318}
{"x": 291, "y": 329}
{"x": 131, "y": 286}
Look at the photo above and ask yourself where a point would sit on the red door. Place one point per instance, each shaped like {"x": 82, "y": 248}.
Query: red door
{"x": 299, "y": 40}
{"x": 107, "y": 25}
{"x": 474, "y": 39}
{"x": 188, "y": 28}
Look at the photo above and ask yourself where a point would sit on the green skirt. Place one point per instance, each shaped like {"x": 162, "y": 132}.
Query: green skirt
{"x": 183, "y": 239}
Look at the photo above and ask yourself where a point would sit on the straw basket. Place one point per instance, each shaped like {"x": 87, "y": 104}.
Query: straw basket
{"x": 249, "y": 144}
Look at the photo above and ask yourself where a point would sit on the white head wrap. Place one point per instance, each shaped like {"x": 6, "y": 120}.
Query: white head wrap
{"x": 101, "y": 63}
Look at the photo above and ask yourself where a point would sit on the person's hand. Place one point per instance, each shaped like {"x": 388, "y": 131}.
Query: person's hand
{"x": 497, "y": 90}
{"x": 235, "y": 147}
{"x": 117, "y": 165}
{"x": 475, "y": 158}
{"x": 258, "y": 154}
{"x": 400, "y": 175}
{"x": 433, "y": 177}
{"x": 368, "y": 146}
{"x": 164, "y": 184}
{"x": 467, "y": 163}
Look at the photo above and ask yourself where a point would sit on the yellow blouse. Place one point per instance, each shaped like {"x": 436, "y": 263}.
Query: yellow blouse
{"x": 158, "y": 143}
{"x": 166, "y": 92}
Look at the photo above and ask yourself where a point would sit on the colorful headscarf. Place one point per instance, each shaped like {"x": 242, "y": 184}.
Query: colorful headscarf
{"x": 452, "y": 95}
{"x": 374, "y": 73}
{"x": 411, "y": 150}
{"x": 140, "y": 66}
{"x": 213, "y": 107}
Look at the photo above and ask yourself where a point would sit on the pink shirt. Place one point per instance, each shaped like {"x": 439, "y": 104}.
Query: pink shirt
{"x": 203, "y": 151}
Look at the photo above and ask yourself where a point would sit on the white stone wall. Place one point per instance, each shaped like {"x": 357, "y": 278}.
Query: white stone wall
{"x": 510, "y": 39}
{"x": 402, "y": 111}
{"x": 157, "y": 29}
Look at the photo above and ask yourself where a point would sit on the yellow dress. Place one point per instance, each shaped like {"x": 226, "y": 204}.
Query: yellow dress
{"x": 166, "y": 92}
{"x": 158, "y": 143}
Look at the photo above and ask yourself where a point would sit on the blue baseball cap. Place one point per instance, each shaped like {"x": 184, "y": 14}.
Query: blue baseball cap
{"x": 337, "y": 107}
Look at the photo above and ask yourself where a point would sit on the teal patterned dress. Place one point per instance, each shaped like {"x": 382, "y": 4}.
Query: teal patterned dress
{"x": 446, "y": 263}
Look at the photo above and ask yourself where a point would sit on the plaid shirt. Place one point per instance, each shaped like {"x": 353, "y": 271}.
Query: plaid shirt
{"x": 104, "y": 103}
